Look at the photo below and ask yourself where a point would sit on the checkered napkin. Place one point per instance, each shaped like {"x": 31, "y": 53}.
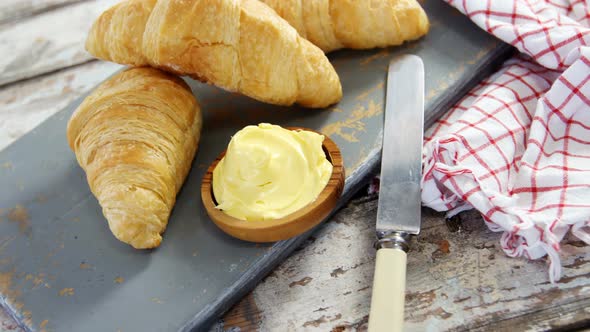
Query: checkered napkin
{"x": 517, "y": 147}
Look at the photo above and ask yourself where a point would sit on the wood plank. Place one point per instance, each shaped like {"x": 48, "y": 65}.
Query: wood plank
{"x": 246, "y": 316}
{"x": 29, "y": 51}
{"x": 7, "y": 324}
{"x": 568, "y": 317}
{"x": 11, "y": 10}
{"x": 26, "y": 104}
{"x": 458, "y": 279}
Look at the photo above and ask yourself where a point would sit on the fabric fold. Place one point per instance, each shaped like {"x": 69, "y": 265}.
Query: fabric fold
{"x": 517, "y": 146}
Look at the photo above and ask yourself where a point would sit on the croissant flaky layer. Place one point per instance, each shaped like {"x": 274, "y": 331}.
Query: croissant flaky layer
{"x": 239, "y": 45}
{"x": 136, "y": 136}
{"x": 358, "y": 24}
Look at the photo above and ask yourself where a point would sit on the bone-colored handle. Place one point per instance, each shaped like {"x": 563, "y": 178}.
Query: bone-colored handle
{"x": 389, "y": 289}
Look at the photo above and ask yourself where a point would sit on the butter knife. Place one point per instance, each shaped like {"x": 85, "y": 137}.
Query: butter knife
{"x": 398, "y": 211}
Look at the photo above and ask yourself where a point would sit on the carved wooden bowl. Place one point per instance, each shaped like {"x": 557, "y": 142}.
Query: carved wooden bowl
{"x": 291, "y": 225}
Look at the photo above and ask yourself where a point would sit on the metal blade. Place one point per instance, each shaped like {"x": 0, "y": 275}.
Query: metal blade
{"x": 401, "y": 164}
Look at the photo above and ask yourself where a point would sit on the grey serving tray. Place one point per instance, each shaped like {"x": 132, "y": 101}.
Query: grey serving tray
{"x": 62, "y": 270}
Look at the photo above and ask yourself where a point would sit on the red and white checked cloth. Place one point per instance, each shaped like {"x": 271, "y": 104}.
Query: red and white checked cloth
{"x": 517, "y": 147}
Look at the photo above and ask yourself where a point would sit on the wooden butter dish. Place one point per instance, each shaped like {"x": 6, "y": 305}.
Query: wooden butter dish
{"x": 288, "y": 226}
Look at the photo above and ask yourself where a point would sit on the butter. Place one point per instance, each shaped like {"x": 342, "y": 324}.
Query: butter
{"x": 269, "y": 172}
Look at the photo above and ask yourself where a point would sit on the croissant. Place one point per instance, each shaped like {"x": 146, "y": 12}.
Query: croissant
{"x": 358, "y": 24}
{"x": 240, "y": 45}
{"x": 136, "y": 136}
{"x": 117, "y": 34}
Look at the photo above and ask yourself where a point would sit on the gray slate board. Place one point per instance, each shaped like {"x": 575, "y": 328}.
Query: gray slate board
{"x": 60, "y": 263}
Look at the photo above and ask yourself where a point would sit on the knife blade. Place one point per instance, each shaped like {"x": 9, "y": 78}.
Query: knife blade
{"x": 401, "y": 158}
{"x": 398, "y": 209}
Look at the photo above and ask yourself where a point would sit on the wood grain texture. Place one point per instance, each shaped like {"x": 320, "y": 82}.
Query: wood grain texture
{"x": 28, "y": 51}
{"x": 458, "y": 279}
{"x": 7, "y": 324}
{"x": 25, "y": 105}
{"x": 11, "y": 10}
{"x": 246, "y": 316}
{"x": 289, "y": 226}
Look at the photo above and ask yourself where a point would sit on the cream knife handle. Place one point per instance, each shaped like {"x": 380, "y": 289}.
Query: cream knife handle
{"x": 389, "y": 291}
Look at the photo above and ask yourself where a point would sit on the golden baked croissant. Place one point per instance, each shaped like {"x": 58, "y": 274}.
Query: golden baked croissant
{"x": 359, "y": 24}
{"x": 136, "y": 136}
{"x": 117, "y": 34}
{"x": 239, "y": 45}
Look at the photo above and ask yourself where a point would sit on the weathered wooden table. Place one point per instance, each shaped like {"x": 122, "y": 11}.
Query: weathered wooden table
{"x": 458, "y": 277}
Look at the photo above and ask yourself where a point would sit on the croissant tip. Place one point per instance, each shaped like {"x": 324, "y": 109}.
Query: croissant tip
{"x": 149, "y": 243}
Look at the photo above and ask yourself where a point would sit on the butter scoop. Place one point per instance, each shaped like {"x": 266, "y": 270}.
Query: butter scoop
{"x": 269, "y": 172}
